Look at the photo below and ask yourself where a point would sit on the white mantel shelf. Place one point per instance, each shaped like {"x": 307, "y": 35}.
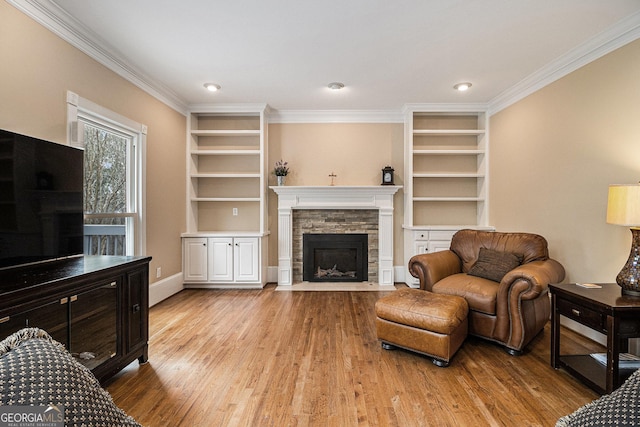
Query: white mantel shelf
{"x": 378, "y": 197}
{"x": 336, "y": 197}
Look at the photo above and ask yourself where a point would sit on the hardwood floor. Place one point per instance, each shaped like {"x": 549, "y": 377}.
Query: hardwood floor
{"x": 266, "y": 358}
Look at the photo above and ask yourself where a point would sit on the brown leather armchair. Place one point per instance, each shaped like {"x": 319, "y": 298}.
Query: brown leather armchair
{"x": 510, "y": 312}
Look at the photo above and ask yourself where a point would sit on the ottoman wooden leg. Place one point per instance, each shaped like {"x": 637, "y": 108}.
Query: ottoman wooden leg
{"x": 440, "y": 363}
{"x": 388, "y": 346}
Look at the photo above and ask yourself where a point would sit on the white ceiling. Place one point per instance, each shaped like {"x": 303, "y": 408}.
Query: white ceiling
{"x": 387, "y": 53}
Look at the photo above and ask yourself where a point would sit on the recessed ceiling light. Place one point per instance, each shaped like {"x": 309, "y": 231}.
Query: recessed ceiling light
{"x": 461, "y": 87}
{"x": 212, "y": 87}
{"x": 335, "y": 86}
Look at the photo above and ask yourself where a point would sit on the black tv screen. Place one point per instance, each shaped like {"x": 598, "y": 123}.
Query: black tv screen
{"x": 40, "y": 200}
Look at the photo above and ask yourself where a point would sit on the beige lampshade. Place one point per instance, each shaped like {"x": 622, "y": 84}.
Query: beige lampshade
{"x": 623, "y": 207}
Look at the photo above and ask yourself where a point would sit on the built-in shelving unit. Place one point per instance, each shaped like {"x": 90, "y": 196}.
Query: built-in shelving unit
{"x": 445, "y": 183}
{"x": 226, "y": 186}
{"x": 226, "y": 166}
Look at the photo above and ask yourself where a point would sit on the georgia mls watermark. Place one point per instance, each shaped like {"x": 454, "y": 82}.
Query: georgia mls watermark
{"x": 32, "y": 416}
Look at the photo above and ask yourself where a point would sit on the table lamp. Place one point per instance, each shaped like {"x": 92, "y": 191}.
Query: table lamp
{"x": 623, "y": 208}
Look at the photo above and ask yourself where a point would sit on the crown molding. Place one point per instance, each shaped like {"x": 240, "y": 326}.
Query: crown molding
{"x": 336, "y": 116}
{"x": 624, "y": 32}
{"x": 71, "y": 30}
{"x": 444, "y": 108}
{"x": 230, "y": 108}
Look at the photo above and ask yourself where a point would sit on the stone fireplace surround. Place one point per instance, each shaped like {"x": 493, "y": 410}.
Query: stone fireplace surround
{"x": 335, "y": 221}
{"x": 378, "y": 198}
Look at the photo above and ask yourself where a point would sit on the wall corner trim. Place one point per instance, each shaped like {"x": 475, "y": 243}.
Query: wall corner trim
{"x": 69, "y": 29}
{"x": 624, "y": 32}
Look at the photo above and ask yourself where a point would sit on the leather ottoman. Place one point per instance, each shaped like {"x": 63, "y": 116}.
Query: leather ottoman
{"x": 424, "y": 322}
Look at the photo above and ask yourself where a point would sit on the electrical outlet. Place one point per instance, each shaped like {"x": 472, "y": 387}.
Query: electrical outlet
{"x": 235, "y": 211}
{"x": 158, "y": 272}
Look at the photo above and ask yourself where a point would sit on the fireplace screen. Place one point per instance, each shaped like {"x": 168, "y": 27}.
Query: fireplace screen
{"x": 334, "y": 257}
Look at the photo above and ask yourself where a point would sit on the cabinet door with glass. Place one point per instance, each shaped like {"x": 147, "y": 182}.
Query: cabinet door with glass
{"x": 52, "y": 317}
{"x": 94, "y": 324}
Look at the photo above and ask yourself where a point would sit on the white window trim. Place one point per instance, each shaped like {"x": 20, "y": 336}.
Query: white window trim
{"x": 80, "y": 107}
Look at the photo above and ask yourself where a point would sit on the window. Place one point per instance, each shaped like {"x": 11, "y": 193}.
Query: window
{"x": 113, "y": 178}
{"x": 107, "y": 208}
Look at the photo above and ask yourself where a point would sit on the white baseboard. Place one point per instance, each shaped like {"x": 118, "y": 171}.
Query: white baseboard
{"x": 164, "y": 288}
{"x": 584, "y": 331}
{"x": 634, "y": 343}
{"x": 399, "y": 274}
{"x": 223, "y": 285}
{"x": 272, "y": 274}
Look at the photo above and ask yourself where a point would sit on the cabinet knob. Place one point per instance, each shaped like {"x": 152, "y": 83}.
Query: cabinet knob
{"x": 576, "y": 312}
{"x": 135, "y": 308}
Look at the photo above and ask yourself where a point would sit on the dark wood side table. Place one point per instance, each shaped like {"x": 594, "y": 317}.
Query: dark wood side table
{"x": 604, "y": 310}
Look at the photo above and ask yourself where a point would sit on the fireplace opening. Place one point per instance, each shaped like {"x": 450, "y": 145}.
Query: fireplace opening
{"x": 335, "y": 257}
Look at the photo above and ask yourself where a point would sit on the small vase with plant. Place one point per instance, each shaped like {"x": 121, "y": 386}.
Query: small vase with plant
{"x": 281, "y": 170}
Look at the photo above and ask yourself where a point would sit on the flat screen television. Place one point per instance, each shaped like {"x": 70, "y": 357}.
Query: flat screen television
{"x": 41, "y": 190}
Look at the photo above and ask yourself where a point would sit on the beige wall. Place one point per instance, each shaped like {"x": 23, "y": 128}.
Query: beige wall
{"x": 38, "y": 68}
{"x": 554, "y": 154}
{"x": 355, "y": 152}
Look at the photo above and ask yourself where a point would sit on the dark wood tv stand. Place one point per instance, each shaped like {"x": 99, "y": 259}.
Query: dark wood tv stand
{"x": 97, "y": 306}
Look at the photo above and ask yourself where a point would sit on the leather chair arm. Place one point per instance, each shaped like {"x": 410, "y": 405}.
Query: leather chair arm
{"x": 432, "y": 267}
{"x": 537, "y": 275}
{"x": 526, "y": 282}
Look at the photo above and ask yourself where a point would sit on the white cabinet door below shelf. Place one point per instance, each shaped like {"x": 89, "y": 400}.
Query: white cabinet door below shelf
{"x": 221, "y": 259}
{"x": 247, "y": 260}
{"x": 195, "y": 260}
{"x": 439, "y": 245}
{"x": 420, "y": 248}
